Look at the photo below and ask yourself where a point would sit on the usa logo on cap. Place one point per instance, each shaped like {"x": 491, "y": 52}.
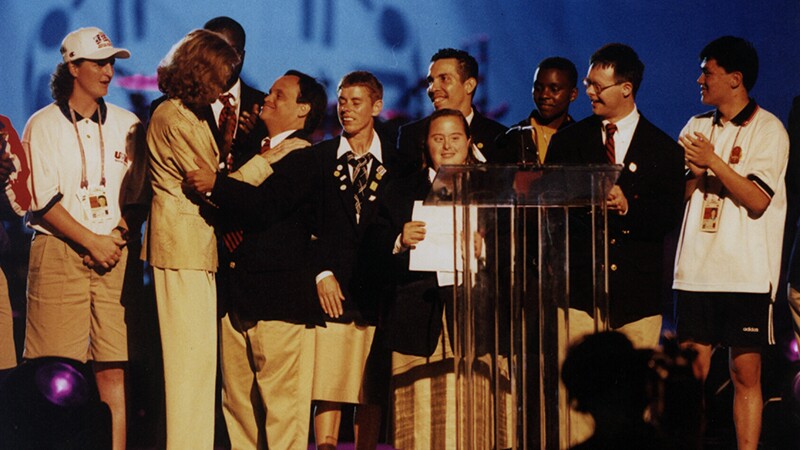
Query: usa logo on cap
{"x": 102, "y": 40}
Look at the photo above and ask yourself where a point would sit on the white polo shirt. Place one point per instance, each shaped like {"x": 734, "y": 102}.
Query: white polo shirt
{"x": 50, "y": 142}
{"x": 744, "y": 255}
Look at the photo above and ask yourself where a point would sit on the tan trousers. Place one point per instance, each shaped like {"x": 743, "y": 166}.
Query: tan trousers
{"x": 187, "y": 318}
{"x": 644, "y": 333}
{"x": 266, "y": 383}
{"x": 8, "y": 352}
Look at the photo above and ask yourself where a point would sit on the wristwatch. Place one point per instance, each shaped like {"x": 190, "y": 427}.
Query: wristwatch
{"x": 123, "y": 232}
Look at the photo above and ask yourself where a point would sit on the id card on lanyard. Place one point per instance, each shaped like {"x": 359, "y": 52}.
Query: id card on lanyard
{"x": 712, "y": 202}
{"x": 94, "y": 199}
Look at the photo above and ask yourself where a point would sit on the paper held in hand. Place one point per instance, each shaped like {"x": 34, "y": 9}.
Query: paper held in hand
{"x": 436, "y": 253}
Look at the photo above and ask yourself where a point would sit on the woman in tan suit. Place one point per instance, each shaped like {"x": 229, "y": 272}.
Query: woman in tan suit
{"x": 180, "y": 244}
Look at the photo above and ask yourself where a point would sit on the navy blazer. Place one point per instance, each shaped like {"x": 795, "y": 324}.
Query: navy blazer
{"x": 308, "y": 184}
{"x": 412, "y": 314}
{"x": 268, "y": 276}
{"x": 652, "y": 180}
{"x": 338, "y": 244}
{"x": 519, "y": 140}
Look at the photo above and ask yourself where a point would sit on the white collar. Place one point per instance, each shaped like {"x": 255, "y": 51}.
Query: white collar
{"x": 627, "y": 124}
{"x": 374, "y": 147}
{"x": 235, "y": 91}
{"x": 470, "y": 116}
{"x": 278, "y": 138}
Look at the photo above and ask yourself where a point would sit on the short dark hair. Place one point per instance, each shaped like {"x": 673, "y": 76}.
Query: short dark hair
{"x": 224, "y": 23}
{"x": 562, "y": 64}
{"x": 313, "y": 94}
{"x": 734, "y": 54}
{"x": 62, "y": 82}
{"x": 467, "y": 65}
{"x": 363, "y": 78}
{"x": 625, "y": 62}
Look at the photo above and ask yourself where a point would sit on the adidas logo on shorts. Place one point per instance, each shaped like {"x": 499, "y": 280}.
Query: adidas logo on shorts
{"x": 750, "y": 329}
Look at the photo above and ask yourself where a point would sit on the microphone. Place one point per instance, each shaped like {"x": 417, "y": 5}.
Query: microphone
{"x": 519, "y": 128}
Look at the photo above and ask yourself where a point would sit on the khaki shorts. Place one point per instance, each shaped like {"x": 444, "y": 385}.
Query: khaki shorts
{"x": 73, "y": 311}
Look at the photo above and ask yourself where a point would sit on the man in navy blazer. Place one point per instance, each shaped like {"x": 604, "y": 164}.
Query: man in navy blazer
{"x": 319, "y": 185}
{"x": 269, "y": 285}
{"x": 452, "y": 81}
{"x": 645, "y": 204}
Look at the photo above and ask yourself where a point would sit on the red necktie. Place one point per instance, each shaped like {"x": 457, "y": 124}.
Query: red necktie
{"x": 610, "y": 153}
{"x": 227, "y": 124}
{"x": 265, "y": 146}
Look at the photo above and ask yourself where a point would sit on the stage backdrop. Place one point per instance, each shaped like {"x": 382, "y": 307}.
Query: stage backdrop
{"x": 395, "y": 39}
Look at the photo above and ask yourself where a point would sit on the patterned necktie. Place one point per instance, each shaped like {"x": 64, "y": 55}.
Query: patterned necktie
{"x": 360, "y": 173}
{"x": 227, "y": 124}
{"x": 610, "y": 153}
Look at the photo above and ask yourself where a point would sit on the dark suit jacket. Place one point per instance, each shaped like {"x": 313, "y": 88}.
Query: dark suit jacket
{"x": 412, "y": 321}
{"x": 518, "y": 140}
{"x": 484, "y": 131}
{"x": 268, "y": 276}
{"x": 307, "y": 184}
{"x": 338, "y": 246}
{"x": 653, "y": 183}
{"x": 244, "y": 145}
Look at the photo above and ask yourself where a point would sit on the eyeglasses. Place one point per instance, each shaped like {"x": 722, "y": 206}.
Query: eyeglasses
{"x": 587, "y": 83}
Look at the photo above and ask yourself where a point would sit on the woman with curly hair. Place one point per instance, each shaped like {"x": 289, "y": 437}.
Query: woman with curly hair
{"x": 179, "y": 243}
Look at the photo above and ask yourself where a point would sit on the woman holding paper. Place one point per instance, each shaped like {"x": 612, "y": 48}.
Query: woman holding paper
{"x": 418, "y": 322}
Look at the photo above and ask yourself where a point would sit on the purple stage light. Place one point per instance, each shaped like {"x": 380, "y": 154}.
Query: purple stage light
{"x": 62, "y": 384}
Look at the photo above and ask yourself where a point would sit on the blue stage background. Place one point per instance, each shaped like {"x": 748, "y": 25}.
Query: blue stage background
{"x": 327, "y": 38}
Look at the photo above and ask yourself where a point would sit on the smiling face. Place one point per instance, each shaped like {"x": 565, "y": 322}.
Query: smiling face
{"x": 611, "y": 99}
{"x": 447, "y": 141}
{"x": 552, "y": 93}
{"x": 281, "y": 112}
{"x": 356, "y": 110}
{"x": 446, "y": 89}
{"x": 92, "y": 77}
{"x": 715, "y": 83}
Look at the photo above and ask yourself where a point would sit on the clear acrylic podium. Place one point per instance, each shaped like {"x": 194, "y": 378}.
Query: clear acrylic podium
{"x": 512, "y": 255}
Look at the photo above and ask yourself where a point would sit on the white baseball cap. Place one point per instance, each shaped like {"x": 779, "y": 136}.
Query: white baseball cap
{"x": 90, "y": 43}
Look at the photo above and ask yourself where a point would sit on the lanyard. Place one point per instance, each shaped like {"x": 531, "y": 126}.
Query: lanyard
{"x": 84, "y": 178}
{"x": 730, "y": 162}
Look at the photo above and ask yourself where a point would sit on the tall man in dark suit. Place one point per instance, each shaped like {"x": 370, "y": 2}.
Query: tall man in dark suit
{"x": 452, "y": 81}
{"x": 644, "y": 205}
{"x": 266, "y": 374}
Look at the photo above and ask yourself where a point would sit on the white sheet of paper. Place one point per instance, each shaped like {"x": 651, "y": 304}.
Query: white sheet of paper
{"x": 435, "y": 252}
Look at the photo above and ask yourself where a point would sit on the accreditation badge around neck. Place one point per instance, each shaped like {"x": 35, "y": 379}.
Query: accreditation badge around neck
{"x": 94, "y": 202}
{"x": 93, "y": 199}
